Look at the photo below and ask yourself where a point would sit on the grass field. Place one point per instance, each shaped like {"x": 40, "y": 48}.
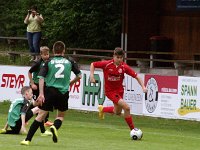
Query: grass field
{"x": 84, "y": 131}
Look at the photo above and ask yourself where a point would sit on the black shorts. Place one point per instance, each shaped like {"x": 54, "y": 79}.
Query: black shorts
{"x": 54, "y": 99}
{"x": 36, "y": 92}
{"x": 16, "y": 129}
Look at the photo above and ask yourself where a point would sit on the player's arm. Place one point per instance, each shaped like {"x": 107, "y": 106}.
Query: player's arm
{"x": 24, "y": 110}
{"x": 23, "y": 128}
{"x": 139, "y": 80}
{"x": 41, "y": 76}
{"x": 30, "y": 78}
{"x": 76, "y": 71}
{"x": 97, "y": 64}
{"x": 41, "y": 86}
{"x": 41, "y": 98}
{"x": 92, "y": 68}
{"x": 75, "y": 79}
{"x": 34, "y": 68}
{"x": 133, "y": 74}
{"x": 32, "y": 84}
{"x": 6, "y": 126}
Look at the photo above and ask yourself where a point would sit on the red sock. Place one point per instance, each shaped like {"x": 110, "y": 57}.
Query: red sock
{"x": 108, "y": 109}
{"x": 129, "y": 121}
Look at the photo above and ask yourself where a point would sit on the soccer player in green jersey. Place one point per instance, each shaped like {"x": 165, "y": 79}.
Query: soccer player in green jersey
{"x": 57, "y": 73}
{"x": 19, "y": 113}
{"x": 34, "y": 81}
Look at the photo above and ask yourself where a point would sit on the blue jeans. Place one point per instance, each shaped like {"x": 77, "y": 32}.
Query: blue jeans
{"x": 34, "y": 39}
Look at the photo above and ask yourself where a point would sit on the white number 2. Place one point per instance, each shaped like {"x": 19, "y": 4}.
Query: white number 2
{"x": 59, "y": 73}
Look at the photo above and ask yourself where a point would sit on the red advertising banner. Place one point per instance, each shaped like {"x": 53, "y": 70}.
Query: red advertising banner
{"x": 161, "y": 97}
{"x": 165, "y": 84}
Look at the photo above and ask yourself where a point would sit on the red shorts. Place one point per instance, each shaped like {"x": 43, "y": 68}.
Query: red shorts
{"x": 115, "y": 96}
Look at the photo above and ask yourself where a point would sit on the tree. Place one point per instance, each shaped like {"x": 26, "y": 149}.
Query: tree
{"x": 80, "y": 23}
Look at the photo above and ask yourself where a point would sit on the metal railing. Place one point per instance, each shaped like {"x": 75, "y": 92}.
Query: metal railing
{"x": 150, "y": 57}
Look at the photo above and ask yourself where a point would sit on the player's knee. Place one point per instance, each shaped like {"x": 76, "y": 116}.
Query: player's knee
{"x": 60, "y": 118}
{"x": 118, "y": 113}
{"x": 127, "y": 109}
{"x": 35, "y": 110}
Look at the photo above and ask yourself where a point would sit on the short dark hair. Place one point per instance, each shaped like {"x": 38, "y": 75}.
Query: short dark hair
{"x": 24, "y": 89}
{"x": 119, "y": 51}
{"x": 34, "y": 7}
{"x": 58, "y": 47}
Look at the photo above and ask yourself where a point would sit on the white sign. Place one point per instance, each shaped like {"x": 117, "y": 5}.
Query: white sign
{"x": 188, "y": 106}
{"x": 12, "y": 79}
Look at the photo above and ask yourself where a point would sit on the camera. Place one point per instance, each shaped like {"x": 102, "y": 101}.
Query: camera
{"x": 29, "y": 11}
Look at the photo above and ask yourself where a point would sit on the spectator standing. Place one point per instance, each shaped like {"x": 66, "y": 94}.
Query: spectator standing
{"x": 34, "y": 21}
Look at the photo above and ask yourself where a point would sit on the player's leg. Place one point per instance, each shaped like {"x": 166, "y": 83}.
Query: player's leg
{"x": 56, "y": 125}
{"x": 44, "y": 132}
{"x": 47, "y": 123}
{"x": 114, "y": 97}
{"x": 15, "y": 129}
{"x": 127, "y": 115}
{"x": 117, "y": 109}
{"x": 62, "y": 106}
{"x": 35, "y": 103}
{"x": 34, "y": 126}
{"x": 34, "y": 111}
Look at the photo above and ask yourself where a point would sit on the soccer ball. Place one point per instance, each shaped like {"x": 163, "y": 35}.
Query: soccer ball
{"x": 136, "y": 134}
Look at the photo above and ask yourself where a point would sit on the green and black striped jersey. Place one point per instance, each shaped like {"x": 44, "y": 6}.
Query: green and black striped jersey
{"x": 18, "y": 106}
{"x": 57, "y": 72}
{"x": 35, "y": 70}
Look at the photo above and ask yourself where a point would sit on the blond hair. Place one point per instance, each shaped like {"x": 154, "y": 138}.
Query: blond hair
{"x": 44, "y": 49}
{"x": 24, "y": 89}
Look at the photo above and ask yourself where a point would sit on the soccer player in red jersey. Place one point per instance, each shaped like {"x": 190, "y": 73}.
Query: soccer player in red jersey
{"x": 114, "y": 71}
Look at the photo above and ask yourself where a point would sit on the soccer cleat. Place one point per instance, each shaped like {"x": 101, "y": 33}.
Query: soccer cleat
{"x": 54, "y": 133}
{"x": 24, "y": 142}
{"x": 101, "y": 113}
{"x": 48, "y": 124}
{"x": 46, "y": 133}
{"x": 2, "y": 131}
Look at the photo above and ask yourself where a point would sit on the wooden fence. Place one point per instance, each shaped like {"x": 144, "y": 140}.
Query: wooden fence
{"x": 147, "y": 59}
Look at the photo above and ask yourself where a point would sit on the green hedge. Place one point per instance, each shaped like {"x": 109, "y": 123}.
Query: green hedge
{"x": 79, "y": 23}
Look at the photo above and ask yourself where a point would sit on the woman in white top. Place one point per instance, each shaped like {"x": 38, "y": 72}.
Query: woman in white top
{"x": 34, "y": 21}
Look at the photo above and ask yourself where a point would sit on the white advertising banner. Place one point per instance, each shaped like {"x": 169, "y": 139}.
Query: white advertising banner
{"x": 87, "y": 96}
{"x": 167, "y": 96}
{"x": 161, "y": 98}
{"x": 12, "y": 79}
{"x": 133, "y": 94}
{"x": 188, "y": 105}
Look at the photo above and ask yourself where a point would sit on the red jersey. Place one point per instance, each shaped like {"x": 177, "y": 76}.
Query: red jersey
{"x": 114, "y": 75}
